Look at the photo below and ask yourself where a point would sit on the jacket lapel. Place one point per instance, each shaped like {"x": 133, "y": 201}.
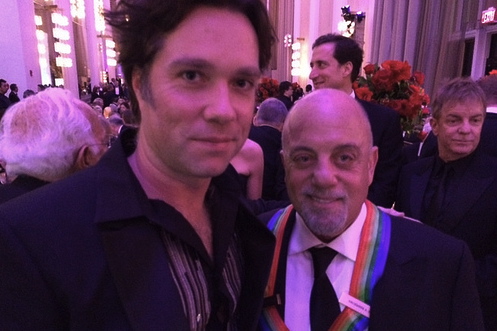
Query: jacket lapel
{"x": 419, "y": 182}
{"x": 139, "y": 266}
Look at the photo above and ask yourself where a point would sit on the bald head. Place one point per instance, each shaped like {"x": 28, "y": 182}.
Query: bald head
{"x": 327, "y": 108}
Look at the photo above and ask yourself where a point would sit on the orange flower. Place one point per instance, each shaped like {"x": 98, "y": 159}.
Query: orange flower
{"x": 382, "y": 80}
{"x": 419, "y": 78}
{"x": 394, "y": 104}
{"x": 370, "y": 69}
{"x": 364, "y": 93}
{"x": 400, "y": 70}
{"x": 392, "y": 85}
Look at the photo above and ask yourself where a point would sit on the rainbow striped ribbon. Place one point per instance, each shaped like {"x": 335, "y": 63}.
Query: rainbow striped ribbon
{"x": 368, "y": 269}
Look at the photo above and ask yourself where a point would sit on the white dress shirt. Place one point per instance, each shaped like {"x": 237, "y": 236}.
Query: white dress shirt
{"x": 300, "y": 274}
{"x": 492, "y": 109}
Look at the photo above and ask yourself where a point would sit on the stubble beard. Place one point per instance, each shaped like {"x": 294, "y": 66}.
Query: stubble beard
{"x": 325, "y": 224}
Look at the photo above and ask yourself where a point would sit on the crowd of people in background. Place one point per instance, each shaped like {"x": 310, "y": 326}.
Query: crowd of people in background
{"x": 150, "y": 192}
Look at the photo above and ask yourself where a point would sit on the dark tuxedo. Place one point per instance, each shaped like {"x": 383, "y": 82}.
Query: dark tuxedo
{"x": 273, "y": 184}
{"x": 4, "y": 104}
{"x": 286, "y": 100}
{"x": 488, "y": 139}
{"x": 470, "y": 214}
{"x": 428, "y": 282}
{"x": 13, "y": 97}
{"x": 20, "y": 185}
{"x": 387, "y": 135}
{"x": 83, "y": 254}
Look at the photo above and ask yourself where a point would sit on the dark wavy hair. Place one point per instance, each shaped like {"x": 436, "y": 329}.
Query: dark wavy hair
{"x": 346, "y": 49}
{"x": 139, "y": 27}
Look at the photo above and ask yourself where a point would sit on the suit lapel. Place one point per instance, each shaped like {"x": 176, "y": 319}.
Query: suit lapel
{"x": 417, "y": 187}
{"x": 139, "y": 266}
{"x": 401, "y": 277}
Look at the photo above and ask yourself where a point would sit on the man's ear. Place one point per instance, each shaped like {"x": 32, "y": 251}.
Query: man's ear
{"x": 373, "y": 160}
{"x": 434, "y": 126}
{"x": 136, "y": 83}
{"x": 347, "y": 68}
{"x": 84, "y": 158}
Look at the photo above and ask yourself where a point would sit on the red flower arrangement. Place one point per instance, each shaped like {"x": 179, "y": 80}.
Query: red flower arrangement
{"x": 268, "y": 87}
{"x": 394, "y": 86}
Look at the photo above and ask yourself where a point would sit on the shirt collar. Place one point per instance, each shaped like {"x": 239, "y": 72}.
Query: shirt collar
{"x": 346, "y": 244}
{"x": 459, "y": 166}
{"x": 492, "y": 109}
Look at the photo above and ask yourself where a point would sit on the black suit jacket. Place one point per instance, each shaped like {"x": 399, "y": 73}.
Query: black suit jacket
{"x": 13, "y": 97}
{"x": 428, "y": 282}
{"x": 273, "y": 184}
{"x": 387, "y": 135}
{"x": 471, "y": 215}
{"x": 488, "y": 139}
{"x": 21, "y": 185}
{"x": 79, "y": 254}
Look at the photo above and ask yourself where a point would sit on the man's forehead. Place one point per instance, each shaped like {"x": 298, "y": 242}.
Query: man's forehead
{"x": 463, "y": 107}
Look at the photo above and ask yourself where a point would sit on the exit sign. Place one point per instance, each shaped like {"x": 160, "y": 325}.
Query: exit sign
{"x": 488, "y": 16}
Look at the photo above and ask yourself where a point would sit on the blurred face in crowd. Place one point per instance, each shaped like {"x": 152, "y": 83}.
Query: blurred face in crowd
{"x": 329, "y": 161}
{"x": 198, "y": 103}
{"x": 458, "y": 129}
{"x": 4, "y": 87}
{"x": 326, "y": 72}
{"x": 288, "y": 93}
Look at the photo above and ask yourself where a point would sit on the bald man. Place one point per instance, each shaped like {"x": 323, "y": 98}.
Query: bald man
{"x": 386, "y": 273}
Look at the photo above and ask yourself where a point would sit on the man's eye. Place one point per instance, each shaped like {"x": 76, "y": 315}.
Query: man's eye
{"x": 244, "y": 84}
{"x": 191, "y": 75}
{"x": 301, "y": 160}
{"x": 345, "y": 159}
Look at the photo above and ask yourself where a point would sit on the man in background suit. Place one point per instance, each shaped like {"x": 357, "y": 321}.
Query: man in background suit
{"x": 154, "y": 236}
{"x": 456, "y": 190}
{"x": 489, "y": 130}
{"x": 420, "y": 279}
{"x": 4, "y": 100}
{"x": 266, "y": 131}
{"x": 285, "y": 92}
{"x": 13, "y": 95}
{"x": 335, "y": 63}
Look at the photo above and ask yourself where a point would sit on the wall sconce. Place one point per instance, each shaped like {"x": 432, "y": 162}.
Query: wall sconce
{"x": 350, "y": 19}
{"x": 295, "y": 71}
{"x": 287, "y": 40}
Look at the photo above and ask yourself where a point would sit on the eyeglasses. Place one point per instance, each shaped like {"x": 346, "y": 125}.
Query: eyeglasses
{"x": 109, "y": 140}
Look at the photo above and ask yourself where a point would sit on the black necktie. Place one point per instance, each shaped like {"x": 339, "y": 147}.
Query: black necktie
{"x": 324, "y": 307}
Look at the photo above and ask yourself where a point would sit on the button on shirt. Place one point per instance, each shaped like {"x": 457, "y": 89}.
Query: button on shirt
{"x": 299, "y": 272}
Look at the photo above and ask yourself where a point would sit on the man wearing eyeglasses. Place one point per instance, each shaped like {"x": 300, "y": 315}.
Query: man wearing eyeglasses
{"x": 48, "y": 137}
